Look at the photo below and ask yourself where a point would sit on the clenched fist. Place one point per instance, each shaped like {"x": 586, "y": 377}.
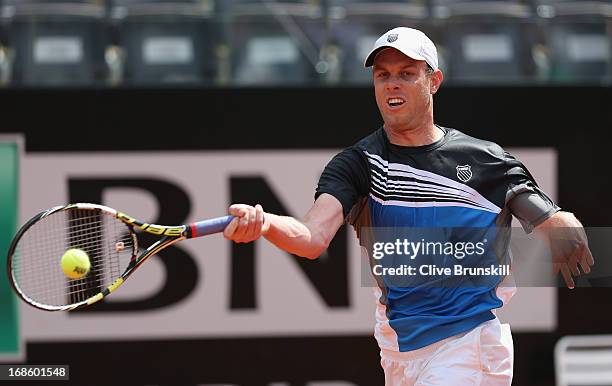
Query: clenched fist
{"x": 249, "y": 224}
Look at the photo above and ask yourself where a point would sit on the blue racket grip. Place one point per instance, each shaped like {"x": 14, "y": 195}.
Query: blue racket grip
{"x": 208, "y": 227}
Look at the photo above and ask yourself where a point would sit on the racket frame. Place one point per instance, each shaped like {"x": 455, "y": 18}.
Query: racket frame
{"x": 169, "y": 234}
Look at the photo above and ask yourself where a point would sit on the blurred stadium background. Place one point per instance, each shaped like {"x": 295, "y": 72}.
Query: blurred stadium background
{"x": 171, "y": 110}
{"x": 313, "y": 42}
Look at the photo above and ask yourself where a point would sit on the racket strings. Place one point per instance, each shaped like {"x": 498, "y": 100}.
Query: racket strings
{"x": 97, "y": 259}
{"x": 75, "y": 242}
{"x": 80, "y": 228}
{"x": 36, "y": 265}
{"x": 42, "y": 241}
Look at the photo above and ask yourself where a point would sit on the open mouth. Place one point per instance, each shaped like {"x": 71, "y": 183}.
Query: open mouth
{"x": 395, "y": 102}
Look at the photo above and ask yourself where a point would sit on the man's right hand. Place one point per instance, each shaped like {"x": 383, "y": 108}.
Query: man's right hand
{"x": 249, "y": 224}
{"x": 307, "y": 238}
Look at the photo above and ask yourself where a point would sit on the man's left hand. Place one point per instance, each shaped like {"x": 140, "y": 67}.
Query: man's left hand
{"x": 568, "y": 244}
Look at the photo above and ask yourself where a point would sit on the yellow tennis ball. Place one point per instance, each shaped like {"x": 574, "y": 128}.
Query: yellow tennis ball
{"x": 75, "y": 263}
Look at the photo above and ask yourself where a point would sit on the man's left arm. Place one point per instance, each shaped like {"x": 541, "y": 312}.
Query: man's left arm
{"x": 537, "y": 212}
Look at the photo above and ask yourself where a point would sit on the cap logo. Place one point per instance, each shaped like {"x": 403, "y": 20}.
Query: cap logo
{"x": 391, "y": 38}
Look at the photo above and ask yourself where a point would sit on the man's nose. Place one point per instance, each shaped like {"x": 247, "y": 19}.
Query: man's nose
{"x": 391, "y": 84}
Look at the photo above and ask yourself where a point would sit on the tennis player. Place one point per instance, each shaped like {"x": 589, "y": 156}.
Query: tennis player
{"x": 414, "y": 173}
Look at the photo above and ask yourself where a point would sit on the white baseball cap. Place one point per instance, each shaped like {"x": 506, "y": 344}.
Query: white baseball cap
{"x": 409, "y": 41}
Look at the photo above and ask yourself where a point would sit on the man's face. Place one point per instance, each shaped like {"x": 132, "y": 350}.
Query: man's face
{"x": 403, "y": 89}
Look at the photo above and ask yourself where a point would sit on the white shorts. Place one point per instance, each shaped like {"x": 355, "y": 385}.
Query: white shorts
{"x": 482, "y": 356}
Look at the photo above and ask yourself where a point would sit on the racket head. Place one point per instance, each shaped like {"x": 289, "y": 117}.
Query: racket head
{"x": 34, "y": 257}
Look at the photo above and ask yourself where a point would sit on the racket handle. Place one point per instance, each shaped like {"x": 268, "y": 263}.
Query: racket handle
{"x": 208, "y": 227}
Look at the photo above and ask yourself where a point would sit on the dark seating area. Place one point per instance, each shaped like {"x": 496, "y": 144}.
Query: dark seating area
{"x": 63, "y": 43}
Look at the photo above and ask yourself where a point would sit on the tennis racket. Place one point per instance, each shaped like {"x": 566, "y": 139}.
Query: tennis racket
{"x": 107, "y": 238}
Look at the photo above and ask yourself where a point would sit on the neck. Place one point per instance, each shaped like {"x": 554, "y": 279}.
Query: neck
{"x": 418, "y": 136}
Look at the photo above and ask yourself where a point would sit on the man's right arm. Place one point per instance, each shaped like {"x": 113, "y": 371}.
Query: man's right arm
{"x": 307, "y": 238}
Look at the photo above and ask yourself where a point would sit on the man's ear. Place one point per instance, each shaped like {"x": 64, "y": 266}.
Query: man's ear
{"x": 435, "y": 81}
